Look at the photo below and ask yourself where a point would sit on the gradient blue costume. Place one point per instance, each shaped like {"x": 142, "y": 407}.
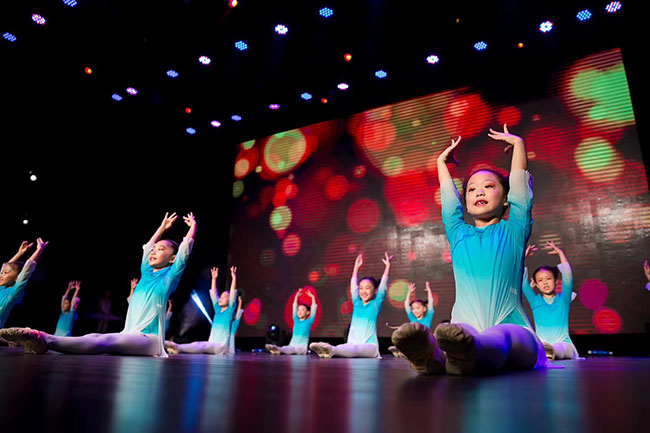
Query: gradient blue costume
{"x": 233, "y": 330}
{"x": 148, "y": 304}
{"x": 363, "y": 327}
{"x": 424, "y": 320}
{"x": 11, "y": 296}
{"x": 552, "y": 319}
{"x": 302, "y": 328}
{"x": 488, "y": 262}
{"x": 65, "y": 323}
{"x": 221, "y": 322}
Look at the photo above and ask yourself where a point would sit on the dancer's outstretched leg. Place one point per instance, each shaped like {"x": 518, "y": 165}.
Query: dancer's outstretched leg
{"x": 34, "y": 341}
{"x": 416, "y": 343}
{"x": 205, "y": 347}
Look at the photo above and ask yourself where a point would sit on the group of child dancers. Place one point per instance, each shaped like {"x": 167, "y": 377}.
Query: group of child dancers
{"x": 489, "y": 330}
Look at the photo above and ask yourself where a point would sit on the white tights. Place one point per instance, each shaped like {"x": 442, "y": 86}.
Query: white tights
{"x": 114, "y": 343}
{"x": 349, "y": 350}
{"x": 205, "y": 347}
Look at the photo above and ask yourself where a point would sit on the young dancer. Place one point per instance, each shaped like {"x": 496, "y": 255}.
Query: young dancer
{"x": 367, "y": 299}
{"x": 68, "y": 310}
{"x": 417, "y": 311}
{"x": 303, "y": 319}
{"x": 551, "y": 309}
{"x": 235, "y": 326}
{"x": 163, "y": 263}
{"x": 14, "y": 276}
{"x": 489, "y": 330}
{"x": 224, "y": 307}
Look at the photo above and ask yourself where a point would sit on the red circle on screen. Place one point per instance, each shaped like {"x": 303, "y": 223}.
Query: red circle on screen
{"x": 593, "y": 294}
{"x": 304, "y": 299}
{"x": 607, "y": 321}
{"x": 363, "y": 216}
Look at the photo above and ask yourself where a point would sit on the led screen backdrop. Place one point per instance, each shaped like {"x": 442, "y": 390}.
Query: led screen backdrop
{"x": 307, "y": 201}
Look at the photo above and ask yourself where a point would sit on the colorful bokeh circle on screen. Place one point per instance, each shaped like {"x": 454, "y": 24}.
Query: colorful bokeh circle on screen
{"x": 607, "y": 321}
{"x": 252, "y": 312}
{"x": 397, "y": 292}
{"x": 284, "y": 151}
{"x": 267, "y": 258}
{"x": 598, "y": 160}
{"x": 291, "y": 245}
{"x": 363, "y": 216}
{"x": 280, "y": 218}
{"x": 237, "y": 188}
{"x": 593, "y": 294}
{"x": 337, "y": 187}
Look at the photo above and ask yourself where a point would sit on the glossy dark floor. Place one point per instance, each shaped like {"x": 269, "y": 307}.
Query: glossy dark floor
{"x": 259, "y": 392}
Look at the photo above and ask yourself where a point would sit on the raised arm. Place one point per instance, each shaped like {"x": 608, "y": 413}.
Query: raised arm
{"x": 452, "y": 208}
{"x": 555, "y": 250}
{"x": 22, "y": 249}
{"x": 447, "y": 156}
{"x": 314, "y": 305}
{"x": 514, "y": 142}
{"x": 526, "y": 284}
{"x": 429, "y": 296}
{"x": 40, "y": 246}
{"x": 166, "y": 223}
{"x": 407, "y": 300}
{"x": 191, "y": 222}
{"x": 383, "y": 284}
{"x": 294, "y": 307}
{"x": 75, "y": 296}
{"x": 354, "y": 280}
{"x": 169, "y": 307}
{"x": 233, "y": 286}
{"x": 65, "y": 295}
{"x": 565, "y": 269}
{"x": 214, "y": 292}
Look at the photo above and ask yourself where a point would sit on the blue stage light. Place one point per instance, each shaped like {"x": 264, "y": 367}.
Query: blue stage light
{"x": 381, "y": 74}
{"x": 197, "y": 300}
{"x": 8, "y": 36}
{"x": 241, "y": 45}
{"x": 205, "y": 60}
{"x": 38, "y": 19}
{"x": 191, "y": 131}
{"x": 236, "y": 118}
{"x": 583, "y": 15}
{"x": 281, "y": 29}
{"x": 71, "y": 3}
{"x": 131, "y": 91}
{"x": 116, "y": 97}
{"x": 433, "y": 59}
{"x": 274, "y": 106}
{"x": 613, "y": 7}
{"x": 306, "y": 96}
{"x": 326, "y": 12}
{"x": 480, "y": 46}
{"x": 215, "y": 123}
{"x": 172, "y": 74}
{"x": 546, "y": 26}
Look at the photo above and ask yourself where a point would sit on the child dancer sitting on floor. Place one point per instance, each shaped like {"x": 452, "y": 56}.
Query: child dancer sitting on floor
{"x": 14, "y": 276}
{"x": 303, "y": 319}
{"x": 224, "y": 308}
{"x": 163, "y": 263}
{"x": 367, "y": 301}
{"x": 68, "y": 310}
{"x": 417, "y": 311}
{"x": 551, "y": 309}
{"x": 489, "y": 330}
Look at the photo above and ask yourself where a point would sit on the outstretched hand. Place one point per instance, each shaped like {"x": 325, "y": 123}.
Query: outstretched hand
{"x": 530, "y": 250}
{"x": 168, "y": 221}
{"x": 40, "y": 244}
{"x": 189, "y": 219}
{"x": 411, "y": 289}
{"x": 233, "y": 271}
{"x": 386, "y": 260}
{"x": 24, "y": 246}
{"x": 215, "y": 273}
{"x": 134, "y": 283}
{"x": 358, "y": 262}
{"x": 510, "y": 139}
{"x": 428, "y": 287}
{"x": 553, "y": 248}
{"x": 447, "y": 156}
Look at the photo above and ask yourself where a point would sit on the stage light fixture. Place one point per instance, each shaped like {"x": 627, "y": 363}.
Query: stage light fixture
{"x": 274, "y": 106}
{"x": 191, "y": 131}
{"x": 381, "y": 74}
{"x": 215, "y": 123}
{"x": 480, "y": 46}
{"x": 613, "y": 7}
{"x": 25, "y": 221}
{"x": 116, "y": 97}
{"x": 433, "y": 59}
{"x": 546, "y": 26}
{"x": 281, "y": 29}
{"x": 71, "y": 3}
{"x": 88, "y": 71}
{"x": 8, "y": 36}
{"x": 520, "y": 45}
{"x": 33, "y": 178}
{"x": 188, "y": 110}
{"x": 38, "y": 19}
{"x": 236, "y": 118}
{"x": 343, "y": 86}
{"x": 326, "y": 12}
{"x": 324, "y": 100}
{"x": 131, "y": 91}
{"x": 172, "y": 73}
{"x": 583, "y": 15}
{"x": 241, "y": 45}
{"x": 306, "y": 96}
{"x": 347, "y": 57}
{"x": 233, "y": 3}
{"x": 205, "y": 60}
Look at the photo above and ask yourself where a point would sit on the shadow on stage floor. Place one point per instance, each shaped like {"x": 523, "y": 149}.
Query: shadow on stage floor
{"x": 259, "y": 392}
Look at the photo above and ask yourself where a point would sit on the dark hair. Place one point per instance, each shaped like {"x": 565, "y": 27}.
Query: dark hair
{"x": 304, "y": 305}
{"x": 17, "y": 266}
{"x": 173, "y": 244}
{"x": 502, "y": 178}
{"x": 553, "y": 269}
{"x": 374, "y": 282}
{"x": 424, "y": 303}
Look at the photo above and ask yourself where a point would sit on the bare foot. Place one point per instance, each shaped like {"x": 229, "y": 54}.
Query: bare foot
{"x": 323, "y": 350}
{"x": 460, "y": 347}
{"x": 416, "y": 343}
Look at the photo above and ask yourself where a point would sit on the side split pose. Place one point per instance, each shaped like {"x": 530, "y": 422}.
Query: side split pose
{"x": 551, "y": 309}
{"x": 303, "y": 319}
{"x": 224, "y": 308}
{"x": 14, "y": 276}
{"x": 417, "y": 311}
{"x": 489, "y": 330}
{"x": 367, "y": 298}
{"x": 68, "y": 310}
{"x": 163, "y": 263}
{"x": 235, "y": 326}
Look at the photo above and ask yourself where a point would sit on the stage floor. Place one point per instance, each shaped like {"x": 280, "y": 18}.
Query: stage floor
{"x": 259, "y": 392}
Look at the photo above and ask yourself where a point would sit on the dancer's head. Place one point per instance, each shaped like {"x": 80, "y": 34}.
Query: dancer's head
{"x": 486, "y": 194}
{"x": 545, "y": 278}
{"x": 224, "y": 299}
{"x": 10, "y": 273}
{"x": 66, "y": 305}
{"x": 163, "y": 254}
{"x": 367, "y": 288}
{"x": 303, "y": 311}
{"x": 419, "y": 308}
